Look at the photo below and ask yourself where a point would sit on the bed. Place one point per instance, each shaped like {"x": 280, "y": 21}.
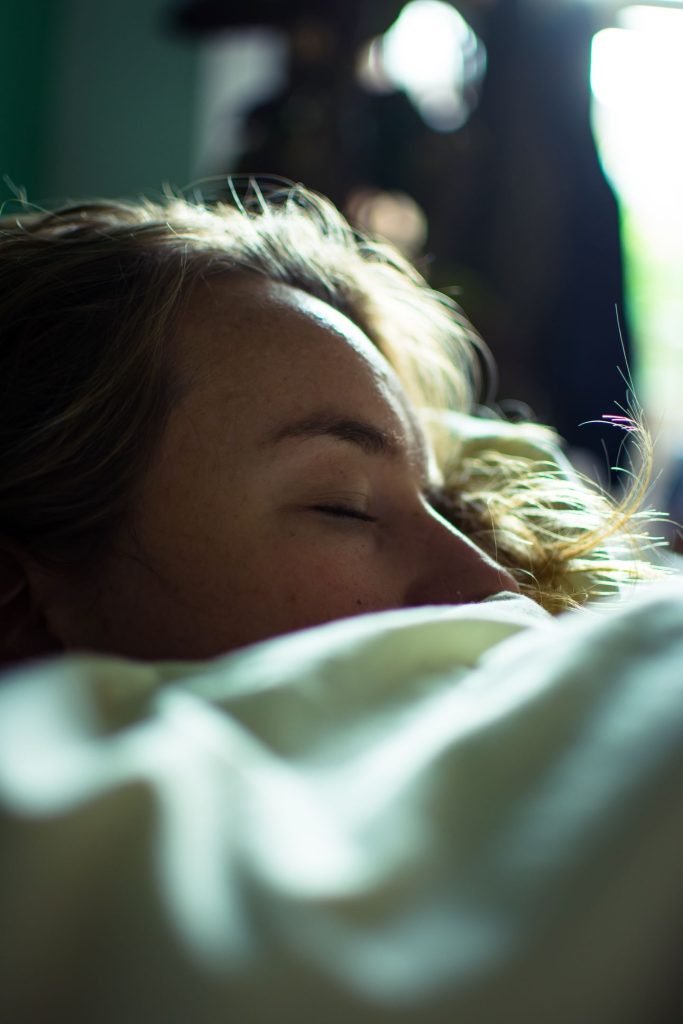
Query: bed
{"x": 467, "y": 814}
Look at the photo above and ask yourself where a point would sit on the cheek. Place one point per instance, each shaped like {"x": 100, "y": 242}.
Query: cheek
{"x": 323, "y": 580}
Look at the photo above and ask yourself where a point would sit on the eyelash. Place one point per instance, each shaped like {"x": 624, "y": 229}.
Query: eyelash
{"x": 344, "y": 512}
{"x": 433, "y": 495}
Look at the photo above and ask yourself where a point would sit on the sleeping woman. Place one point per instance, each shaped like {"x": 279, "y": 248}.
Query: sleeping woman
{"x": 227, "y": 435}
{"x": 222, "y": 424}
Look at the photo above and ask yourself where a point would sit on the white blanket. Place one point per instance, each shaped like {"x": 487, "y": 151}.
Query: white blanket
{"x": 463, "y": 814}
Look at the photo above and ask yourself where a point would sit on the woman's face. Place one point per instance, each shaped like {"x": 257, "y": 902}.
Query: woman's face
{"x": 289, "y": 490}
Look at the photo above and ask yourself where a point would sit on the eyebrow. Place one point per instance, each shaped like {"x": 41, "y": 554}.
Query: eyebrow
{"x": 369, "y": 438}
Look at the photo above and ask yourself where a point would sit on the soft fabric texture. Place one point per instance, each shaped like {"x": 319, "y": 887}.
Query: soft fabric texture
{"x": 464, "y": 814}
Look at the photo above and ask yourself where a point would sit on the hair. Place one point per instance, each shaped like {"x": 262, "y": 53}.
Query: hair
{"x": 90, "y": 296}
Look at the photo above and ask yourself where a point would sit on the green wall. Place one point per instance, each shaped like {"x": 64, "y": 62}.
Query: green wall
{"x": 28, "y": 29}
{"x": 98, "y": 98}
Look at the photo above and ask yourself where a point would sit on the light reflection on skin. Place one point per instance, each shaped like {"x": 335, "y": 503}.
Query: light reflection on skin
{"x": 290, "y": 489}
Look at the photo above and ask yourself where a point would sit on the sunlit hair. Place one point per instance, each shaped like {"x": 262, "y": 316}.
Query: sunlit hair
{"x": 90, "y": 299}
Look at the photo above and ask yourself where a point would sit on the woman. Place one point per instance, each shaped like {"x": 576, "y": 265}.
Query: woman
{"x": 223, "y": 424}
{"x": 220, "y": 426}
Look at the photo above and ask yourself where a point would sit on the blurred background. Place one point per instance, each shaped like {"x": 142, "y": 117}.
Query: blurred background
{"x": 527, "y": 154}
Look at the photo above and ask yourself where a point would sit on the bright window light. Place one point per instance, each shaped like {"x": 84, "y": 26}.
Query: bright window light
{"x": 434, "y": 56}
{"x": 637, "y": 87}
{"x": 423, "y": 48}
{"x": 637, "y": 81}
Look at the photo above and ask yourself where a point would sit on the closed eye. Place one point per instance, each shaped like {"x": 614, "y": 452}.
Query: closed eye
{"x": 344, "y": 512}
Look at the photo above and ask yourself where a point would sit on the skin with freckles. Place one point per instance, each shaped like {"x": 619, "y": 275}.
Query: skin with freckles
{"x": 290, "y": 489}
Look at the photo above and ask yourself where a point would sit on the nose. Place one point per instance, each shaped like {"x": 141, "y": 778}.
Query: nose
{"x": 448, "y": 567}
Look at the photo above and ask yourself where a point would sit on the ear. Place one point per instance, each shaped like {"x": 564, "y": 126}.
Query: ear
{"x": 24, "y": 632}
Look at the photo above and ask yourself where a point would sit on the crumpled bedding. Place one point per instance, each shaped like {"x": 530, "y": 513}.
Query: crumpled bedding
{"x": 467, "y": 814}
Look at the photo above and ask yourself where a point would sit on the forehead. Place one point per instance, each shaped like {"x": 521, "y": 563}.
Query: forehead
{"x": 248, "y": 318}
{"x": 266, "y": 349}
